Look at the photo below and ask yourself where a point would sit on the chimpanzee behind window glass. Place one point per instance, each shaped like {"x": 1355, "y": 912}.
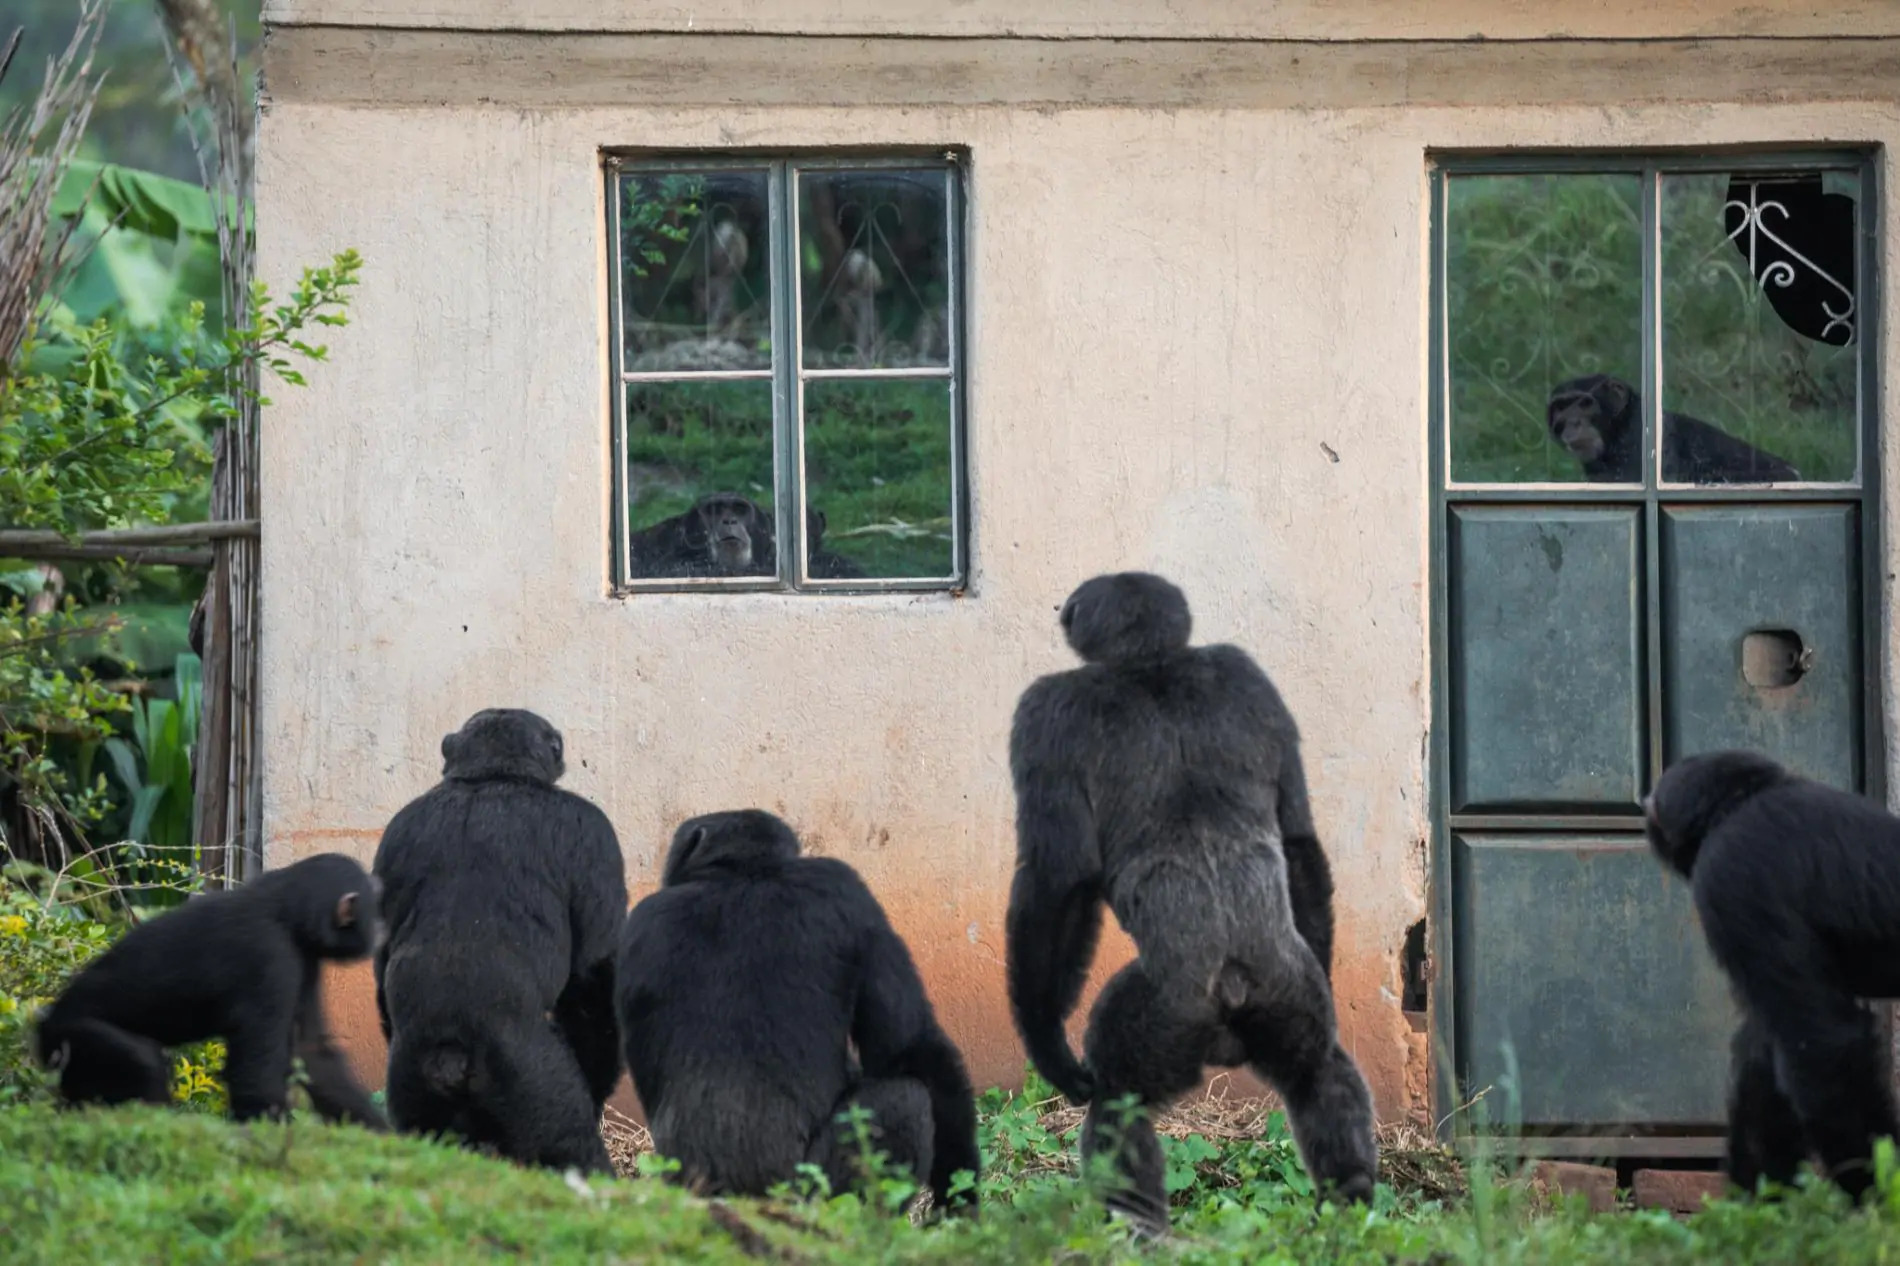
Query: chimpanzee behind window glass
{"x": 1797, "y": 888}
{"x": 1599, "y": 419}
{"x": 1165, "y": 781}
{"x": 504, "y": 896}
{"x": 243, "y": 965}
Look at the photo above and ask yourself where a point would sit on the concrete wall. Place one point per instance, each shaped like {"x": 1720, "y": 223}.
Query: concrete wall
{"x": 1198, "y": 297}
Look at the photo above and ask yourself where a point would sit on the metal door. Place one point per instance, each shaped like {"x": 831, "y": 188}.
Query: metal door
{"x": 1652, "y": 527}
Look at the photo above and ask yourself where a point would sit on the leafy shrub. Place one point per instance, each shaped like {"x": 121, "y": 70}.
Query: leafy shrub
{"x": 51, "y": 925}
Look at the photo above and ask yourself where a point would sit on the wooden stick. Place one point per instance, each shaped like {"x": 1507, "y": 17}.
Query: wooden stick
{"x": 12, "y": 539}
{"x": 133, "y": 555}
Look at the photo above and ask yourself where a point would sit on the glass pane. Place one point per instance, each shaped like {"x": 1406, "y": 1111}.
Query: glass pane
{"x": 877, "y": 479}
{"x": 1544, "y": 281}
{"x": 1760, "y": 354}
{"x": 694, "y": 259}
{"x": 874, "y": 255}
{"x": 699, "y": 479}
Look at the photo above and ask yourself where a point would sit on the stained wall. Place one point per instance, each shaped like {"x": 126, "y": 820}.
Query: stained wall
{"x": 1198, "y": 331}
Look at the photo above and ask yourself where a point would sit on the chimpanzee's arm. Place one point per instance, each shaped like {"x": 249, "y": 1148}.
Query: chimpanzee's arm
{"x": 334, "y": 1093}
{"x": 897, "y": 1035}
{"x": 1055, "y": 916}
{"x": 598, "y": 908}
{"x": 1309, "y": 879}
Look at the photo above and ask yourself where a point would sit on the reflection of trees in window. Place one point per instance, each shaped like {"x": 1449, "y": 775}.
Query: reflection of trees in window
{"x": 1544, "y": 283}
{"x": 875, "y": 271}
{"x": 1754, "y": 273}
{"x": 1758, "y": 314}
{"x": 742, "y": 352}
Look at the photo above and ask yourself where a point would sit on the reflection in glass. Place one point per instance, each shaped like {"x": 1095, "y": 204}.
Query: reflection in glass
{"x": 874, "y": 264}
{"x": 877, "y": 470}
{"x": 695, "y": 280}
{"x": 1759, "y": 320}
{"x": 1544, "y": 285}
{"x": 699, "y": 480}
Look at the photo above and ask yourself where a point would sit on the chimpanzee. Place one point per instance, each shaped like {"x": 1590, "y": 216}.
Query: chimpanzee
{"x": 1166, "y": 781}
{"x": 244, "y": 965}
{"x": 723, "y": 534}
{"x": 1599, "y": 419}
{"x": 504, "y": 894}
{"x": 1797, "y": 886}
{"x": 821, "y": 563}
{"x": 744, "y": 983}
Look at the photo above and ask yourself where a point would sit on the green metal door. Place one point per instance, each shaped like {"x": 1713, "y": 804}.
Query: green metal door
{"x": 1652, "y": 528}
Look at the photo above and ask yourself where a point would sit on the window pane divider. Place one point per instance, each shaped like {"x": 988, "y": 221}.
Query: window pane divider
{"x": 905, "y": 371}
{"x": 696, "y": 375}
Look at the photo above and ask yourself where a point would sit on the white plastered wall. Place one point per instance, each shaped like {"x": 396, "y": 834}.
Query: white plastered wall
{"x": 1197, "y": 345}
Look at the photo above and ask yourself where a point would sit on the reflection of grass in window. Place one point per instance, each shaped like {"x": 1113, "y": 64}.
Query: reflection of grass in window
{"x": 1544, "y": 283}
{"x": 688, "y": 439}
{"x": 1731, "y": 361}
{"x": 877, "y": 455}
{"x": 1544, "y": 279}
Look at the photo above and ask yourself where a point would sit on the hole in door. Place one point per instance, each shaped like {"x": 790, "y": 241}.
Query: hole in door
{"x": 1412, "y": 971}
{"x": 1774, "y": 659}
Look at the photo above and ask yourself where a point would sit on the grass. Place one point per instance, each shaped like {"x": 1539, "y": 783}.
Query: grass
{"x": 140, "y": 1184}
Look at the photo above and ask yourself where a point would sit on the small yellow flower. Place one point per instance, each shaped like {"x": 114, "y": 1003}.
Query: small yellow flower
{"x": 13, "y": 925}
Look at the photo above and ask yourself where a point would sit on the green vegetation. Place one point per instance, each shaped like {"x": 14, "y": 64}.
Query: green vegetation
{"x": 150, "y": 1185}
{"x": 145, "y": 1184}
{"x": 877, "y": 461}
{"x": 1545, "y": 283}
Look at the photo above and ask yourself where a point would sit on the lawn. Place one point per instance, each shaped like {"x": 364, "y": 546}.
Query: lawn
{"x": 175, "y": 1186}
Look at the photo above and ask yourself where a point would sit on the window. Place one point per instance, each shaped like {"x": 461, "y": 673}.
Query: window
{"x": 1577, "y": 301}
{"x": 788, "y": 365}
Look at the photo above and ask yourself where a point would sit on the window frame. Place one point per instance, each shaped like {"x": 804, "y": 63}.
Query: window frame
{"x": 787, "y": 373}
{"x": 1649, "y": 167}
{"x": 1867, "y": 491}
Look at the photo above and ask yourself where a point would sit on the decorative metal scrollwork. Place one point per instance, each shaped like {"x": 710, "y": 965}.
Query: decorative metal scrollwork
{"x": 1798, "y": 240}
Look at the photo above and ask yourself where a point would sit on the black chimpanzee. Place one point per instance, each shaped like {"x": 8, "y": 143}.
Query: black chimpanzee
{"x": 243, "y": 965}
{"x": 723, "y": 534}
{"x": 744, "y": 982}
{"x": 504, "y": 894}
{"x": 1797, "y": 886}
{"x": 1166, "y": 781}
{"x": 1599, "y": 420}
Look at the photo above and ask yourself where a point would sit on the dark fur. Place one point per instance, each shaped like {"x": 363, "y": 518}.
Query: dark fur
{"x": 1797, "y": 886}
{"x": 821, "y": 563}
{"x": 1599, "y": 420}
{"x": 504, "y": 895}
{"x": 724, "y": 534}
{"x": 742, "y": 982}
{"x": 243, "y": 965}
{"x": 1166, "y": 781}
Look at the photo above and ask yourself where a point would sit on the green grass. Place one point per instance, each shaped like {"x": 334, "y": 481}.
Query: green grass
{"x": 141, "y": 1184}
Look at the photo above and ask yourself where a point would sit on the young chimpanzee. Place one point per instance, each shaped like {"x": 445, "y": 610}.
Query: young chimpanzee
{"x": 1166, "y": 781}
{"x": 744, "y": 981}
{"x": 243, "y": 965}
{"x": 504, "y": 895}
{"x": 1797, "y": 886}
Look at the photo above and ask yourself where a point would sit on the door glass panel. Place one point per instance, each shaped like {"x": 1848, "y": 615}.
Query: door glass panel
{"x": 1544, "y": 296}
{"x": 1760, "y": 321}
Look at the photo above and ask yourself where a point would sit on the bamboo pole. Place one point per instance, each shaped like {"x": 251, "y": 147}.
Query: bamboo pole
{"x": 228, "y": 774}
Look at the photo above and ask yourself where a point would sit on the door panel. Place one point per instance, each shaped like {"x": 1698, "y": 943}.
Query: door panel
{"x": 1547, "y": 677}
{"x": 1580, "y": 961}
{"x": 1747, "y": 590}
